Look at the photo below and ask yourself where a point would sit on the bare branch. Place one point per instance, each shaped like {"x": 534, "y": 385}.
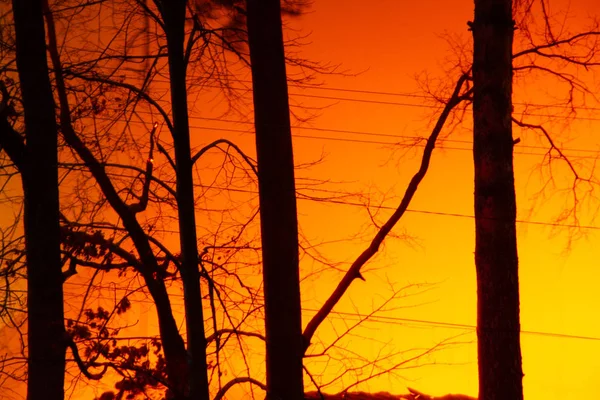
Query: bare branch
{"x": 236, "y": 381}
{"x": 251, "y": 163}
{"x": 354, "y": 270}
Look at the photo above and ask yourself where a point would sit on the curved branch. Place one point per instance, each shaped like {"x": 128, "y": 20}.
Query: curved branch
{"x": 216, "y": 143}
{"x": 82, "y": 365}
{"x": 235, "y": 381}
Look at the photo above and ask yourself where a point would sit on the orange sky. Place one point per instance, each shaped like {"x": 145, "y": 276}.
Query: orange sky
{"x": 393, "y": 46}
{"x": 392, "y": 42}
{"x": 384, "y": 46}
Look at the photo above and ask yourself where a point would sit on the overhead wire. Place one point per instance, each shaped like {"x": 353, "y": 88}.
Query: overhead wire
{"x": 377, "y": 92}
{"x": 372, "y": 318}
{"x": 408, "y": 210}
{"x": 371, "y": 134}
{"x": 382, "y": 207}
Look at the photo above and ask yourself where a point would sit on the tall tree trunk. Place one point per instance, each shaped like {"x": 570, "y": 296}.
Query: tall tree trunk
{"x": 173, "y": 12}
{"x": 277, "y": 197}
{"x": 496, "y": 260}
{"x": 46, "y": 332}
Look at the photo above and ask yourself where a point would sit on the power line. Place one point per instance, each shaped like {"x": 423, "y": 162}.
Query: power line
{"x": 413, "y": 95}
{"x": 378, "y": 134}
{"x": 383, "y": 93}
{"x": 382, "y": 102}
{"x": 372, "y": 318}
{"x": 348, "y": 140}
{"x": 382, "y": 207}
{"x": 365, "y": 133}
{"x": 386, "y": 319}
{"x": 409, "y": 210}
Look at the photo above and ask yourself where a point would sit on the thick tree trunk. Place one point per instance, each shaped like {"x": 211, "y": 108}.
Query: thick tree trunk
{"x": 277, "y": 198}
{"x": 173, "y": 12}
{"x": 46, "y": 332}
{"x": 498, "y": 327}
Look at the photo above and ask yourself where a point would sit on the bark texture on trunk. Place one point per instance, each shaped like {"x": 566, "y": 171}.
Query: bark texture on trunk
{"x": 498, "y": 327}
{"x": 46, "y": 339}
{"x": 173, "y": 12}
{"x": 277, "y": 196}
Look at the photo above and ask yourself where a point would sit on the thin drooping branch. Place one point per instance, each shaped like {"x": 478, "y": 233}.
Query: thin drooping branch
{"x": 251, "y": 163}
{"x": 553, "y": 146}
{"x": 83, "y": 367}
{"x": 236, "y": 381}
{"x": 354, "y": 270}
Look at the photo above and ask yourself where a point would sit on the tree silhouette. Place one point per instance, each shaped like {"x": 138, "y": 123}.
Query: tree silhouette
{"x": 39, "y": 172}
{"x": 132, "y": 183}
{"x": 496, "y": 260}
{"x": 277, "y": 196}
{"x": 173, "y": 15}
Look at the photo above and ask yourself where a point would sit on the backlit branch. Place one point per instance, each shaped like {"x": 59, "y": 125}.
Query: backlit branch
{"x": 83, "y": 367}
{"x": 354, "y": 271}
{"x": 143, "y": 203}
{"x": 251, "y": 163}
{"x": 550, "y": 141}
{"x": 10, "y": 140}
{"x": 236, "y": 381}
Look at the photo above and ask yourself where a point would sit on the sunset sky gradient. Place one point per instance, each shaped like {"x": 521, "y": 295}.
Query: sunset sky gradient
{"x": 358, "y": 140}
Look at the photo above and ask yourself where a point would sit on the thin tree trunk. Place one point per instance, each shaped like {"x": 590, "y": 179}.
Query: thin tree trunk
{"x": 277, "y": 197}
{"x": 45, "y": 315}
{"x": 496, "y": 260}
{"x": 173, "y": 12}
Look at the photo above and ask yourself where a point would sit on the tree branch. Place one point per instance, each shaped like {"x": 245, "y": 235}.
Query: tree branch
{"x": 243, "y": 379}
{"x": 354, "y": 270}
{"x": 82, "y": 365}
{"x": 10, "y": 140}
{"x": 143, "y": 203}
{"x": 251, "y": 163}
